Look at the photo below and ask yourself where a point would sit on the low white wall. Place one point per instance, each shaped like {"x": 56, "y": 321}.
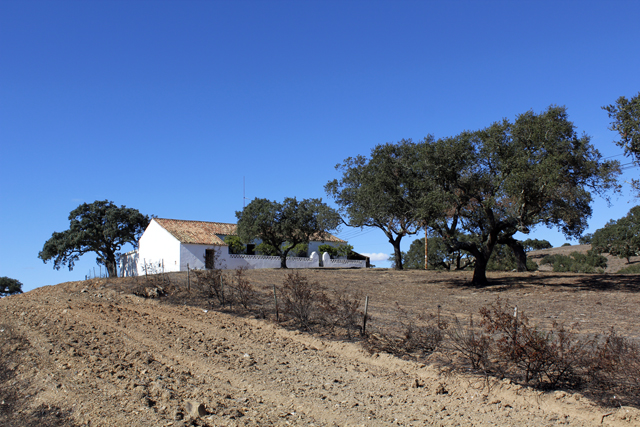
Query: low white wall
{"x": 342, "y": 262}
{"x": 263, "y": 261}
{"x": 129, "y": 264}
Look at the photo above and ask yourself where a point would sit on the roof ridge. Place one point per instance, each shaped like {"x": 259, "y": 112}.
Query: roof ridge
{"x": 195, "y": 220}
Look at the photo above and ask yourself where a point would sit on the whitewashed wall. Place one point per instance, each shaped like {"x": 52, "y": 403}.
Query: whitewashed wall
{"x": 156, "y": 245}
{"x": 194, "y": 256}
{"x": 128, "y": 264}
{"x": 343, "y": 263}
{"x": 263, "y": 261}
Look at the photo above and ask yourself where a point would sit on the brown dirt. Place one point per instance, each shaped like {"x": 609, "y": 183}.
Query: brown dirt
{"x": 92, "y": 354}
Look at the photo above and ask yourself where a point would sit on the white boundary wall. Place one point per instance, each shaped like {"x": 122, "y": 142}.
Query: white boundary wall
{"x": 163, "y": 252}
{"x": 128, "y": 264}
{"x": 344, "y": 263}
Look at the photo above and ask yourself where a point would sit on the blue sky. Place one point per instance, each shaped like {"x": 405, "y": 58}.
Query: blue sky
{"x": 165, "y": 106}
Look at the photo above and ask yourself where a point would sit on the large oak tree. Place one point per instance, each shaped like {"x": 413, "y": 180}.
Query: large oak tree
{"x": 619, "y": 237}
{"x": 382, "y": 191}
{"x": 100, "y": 227}
{"x": 9, "y": 286}
{"x": 509, "y": 178}
{"x": 625, "y": 116}
{"x": 284, "y": 225}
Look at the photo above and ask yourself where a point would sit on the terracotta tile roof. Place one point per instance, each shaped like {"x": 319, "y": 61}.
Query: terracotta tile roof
{"x": 197, "y": 232}
{"x": 206, "y": 233}
{"x": 326, "y": 237}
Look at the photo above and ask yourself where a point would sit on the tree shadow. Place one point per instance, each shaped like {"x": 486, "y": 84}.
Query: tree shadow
{"x": 587, "y": 282}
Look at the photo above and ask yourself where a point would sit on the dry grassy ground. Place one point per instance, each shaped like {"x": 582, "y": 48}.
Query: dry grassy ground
{"x": 92, "y": 354}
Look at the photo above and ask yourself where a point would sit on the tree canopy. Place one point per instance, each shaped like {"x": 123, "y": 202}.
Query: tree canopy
{"x": 536, "y": 245}
{"x": 381, "y": 191}
{"x": 285, "y": 225}
{"x": 625, "y": 116}
{"x": 100, "y": 227}
{"x": 619, "y": 238}
{"x": 512, "y": 177}
{"x": 9, "y": 286}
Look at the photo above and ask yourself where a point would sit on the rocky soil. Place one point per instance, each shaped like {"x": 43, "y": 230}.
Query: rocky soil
{"x": 93, "y": 354}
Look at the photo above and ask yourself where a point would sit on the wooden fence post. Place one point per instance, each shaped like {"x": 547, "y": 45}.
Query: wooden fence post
{"x": 222, "y": 290}
{"x": 188, "y": 279}
{"x": 364, "y": 320}
{"x": 275, "y": 299}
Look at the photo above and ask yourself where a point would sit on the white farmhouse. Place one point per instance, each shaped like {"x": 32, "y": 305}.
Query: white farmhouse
{"x": 177, "y": 245}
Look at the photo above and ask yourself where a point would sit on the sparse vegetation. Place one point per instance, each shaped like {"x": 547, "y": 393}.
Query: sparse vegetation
{"x": 577, "y": 262}
{"x": 632, "y": 269}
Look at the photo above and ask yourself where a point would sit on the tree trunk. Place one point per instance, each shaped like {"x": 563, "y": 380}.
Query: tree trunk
{"x": 283, "y": 261}
{"x": 480, "y": 271}
{"x": 397, "y": 252}
{"x": 519, "y": 253}
{"x": 110, "y": 265}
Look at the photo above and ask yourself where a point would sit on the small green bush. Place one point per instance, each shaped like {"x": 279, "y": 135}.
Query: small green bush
{"x": 332, "y": 251}
{"x": 632, "y": 269}
{"x": 236, "y": 246}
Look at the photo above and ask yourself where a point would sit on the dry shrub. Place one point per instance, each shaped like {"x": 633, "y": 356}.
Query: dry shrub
{"x": 420, "y": 334}
{"x": 470, "y": 343}
{"x": 379, "y": 341}
{"x": 210, "y": 283}
{"x": 522, "y": 351}
{"x": 343, "y": 311}
{"x": 240, "y": 289}
{"x": 302, "y": 300}
{"x": 614, "y": 366}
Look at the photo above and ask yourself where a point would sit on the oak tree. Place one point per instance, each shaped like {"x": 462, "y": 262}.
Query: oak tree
{"x": 9, "y": 286}
{"x": 512, "y": 177}
{"x": 382, "y": 192}
{"x": 620, "y": 237}
{"x": 100, "y": 227}
{"x": 625, "y": 116}
{"x": 283, "y": 226}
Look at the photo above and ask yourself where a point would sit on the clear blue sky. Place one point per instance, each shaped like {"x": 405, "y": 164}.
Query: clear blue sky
{"x": 164, "y": 106}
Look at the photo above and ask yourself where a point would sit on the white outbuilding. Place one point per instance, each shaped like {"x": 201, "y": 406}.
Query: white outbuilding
{"x": 177, "y": 245}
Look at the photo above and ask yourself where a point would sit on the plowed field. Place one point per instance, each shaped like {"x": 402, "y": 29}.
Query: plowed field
{"x": 93, "y": 354}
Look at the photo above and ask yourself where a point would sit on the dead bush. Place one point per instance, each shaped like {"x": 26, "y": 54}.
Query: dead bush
{"x": 541, "y": 358}
{"x": 240, "y": 289}
{"x": 343, "y": 311}
{"x": 379, "y": 341}
{"x": 302, "y": 301}
{"x": 417, "y": 335}
{"x": 614, "y": 366}
{"x": 211, "y": 284}
{"x": 470, "y": 343}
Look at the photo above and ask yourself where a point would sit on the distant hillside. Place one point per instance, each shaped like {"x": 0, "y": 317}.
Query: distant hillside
{"x": 614, "y": 264}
